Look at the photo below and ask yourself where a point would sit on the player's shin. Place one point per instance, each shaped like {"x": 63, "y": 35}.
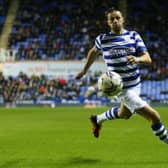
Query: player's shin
{"x": 108, "y": 115}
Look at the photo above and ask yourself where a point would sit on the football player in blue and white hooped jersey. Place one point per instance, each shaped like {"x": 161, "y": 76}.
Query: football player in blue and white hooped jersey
{"x": 122, "y": 51}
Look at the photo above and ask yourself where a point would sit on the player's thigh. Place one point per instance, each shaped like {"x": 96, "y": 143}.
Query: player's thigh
{"x": 124, "y": 112}
{"x": 131, "y": 100}
{"x": 149, "y": 113}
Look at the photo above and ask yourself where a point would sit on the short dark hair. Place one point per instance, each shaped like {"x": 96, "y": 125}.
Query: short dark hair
{"x": 112, "y": 9}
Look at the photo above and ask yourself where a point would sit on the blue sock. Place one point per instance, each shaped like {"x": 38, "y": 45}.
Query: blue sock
{"x": 112, "y": 113}
{"x": 160, "y": 131}
{"x": 108, "y": 115}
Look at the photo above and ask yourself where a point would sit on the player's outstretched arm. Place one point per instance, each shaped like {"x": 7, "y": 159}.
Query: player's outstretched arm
{"x": 91, "y": 56}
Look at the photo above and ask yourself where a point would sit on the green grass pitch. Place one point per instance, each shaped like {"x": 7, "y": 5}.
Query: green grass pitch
{"x": 62, "y": 138}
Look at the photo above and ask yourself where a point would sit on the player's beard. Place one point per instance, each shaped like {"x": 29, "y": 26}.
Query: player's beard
{"x": 116, "y": 28}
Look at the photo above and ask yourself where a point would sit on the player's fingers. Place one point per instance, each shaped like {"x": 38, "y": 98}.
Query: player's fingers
{"x": 130, "y": 59}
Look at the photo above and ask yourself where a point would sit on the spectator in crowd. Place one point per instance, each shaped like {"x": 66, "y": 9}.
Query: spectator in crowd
{"x": 52, "y": 30}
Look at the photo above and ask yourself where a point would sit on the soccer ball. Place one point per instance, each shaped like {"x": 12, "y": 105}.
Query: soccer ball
{"x": 110, "y": 83}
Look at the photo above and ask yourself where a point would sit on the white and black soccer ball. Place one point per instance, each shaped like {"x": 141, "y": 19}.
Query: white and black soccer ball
{"x": 110, "y": 83}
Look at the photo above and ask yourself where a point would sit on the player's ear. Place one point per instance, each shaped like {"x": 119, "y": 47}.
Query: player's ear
{"x": 108, "y": 22}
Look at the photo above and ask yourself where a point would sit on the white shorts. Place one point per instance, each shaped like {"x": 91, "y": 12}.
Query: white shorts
{"x": 131, "y": 99}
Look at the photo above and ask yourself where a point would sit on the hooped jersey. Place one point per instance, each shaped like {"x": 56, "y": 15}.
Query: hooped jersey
{"x": 115, "y": 49}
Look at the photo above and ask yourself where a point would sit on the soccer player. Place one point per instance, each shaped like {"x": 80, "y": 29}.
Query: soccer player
{"x": 122, "y": 51}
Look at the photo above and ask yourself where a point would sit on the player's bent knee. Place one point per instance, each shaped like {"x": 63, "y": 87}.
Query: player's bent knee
{"x": 125, "y": 115}
{"x": 124, "y": 112}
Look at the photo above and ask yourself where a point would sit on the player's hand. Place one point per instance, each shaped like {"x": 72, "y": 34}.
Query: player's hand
{"x": 132, "y": 59}
{"x": 80, "y": 75}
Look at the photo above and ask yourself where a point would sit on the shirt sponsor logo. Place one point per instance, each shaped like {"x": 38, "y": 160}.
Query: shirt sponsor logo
{"x": 122, "y": 51}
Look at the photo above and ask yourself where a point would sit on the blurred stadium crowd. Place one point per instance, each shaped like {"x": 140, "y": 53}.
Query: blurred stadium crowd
{"x": 42, "y": 88}
{"x": 3, "y": 11}
{"x": 65, "y": 30}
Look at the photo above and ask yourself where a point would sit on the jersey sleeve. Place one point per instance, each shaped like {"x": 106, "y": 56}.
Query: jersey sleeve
{"x": 98, "y": 43}
{"x": 140, "y": 45}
